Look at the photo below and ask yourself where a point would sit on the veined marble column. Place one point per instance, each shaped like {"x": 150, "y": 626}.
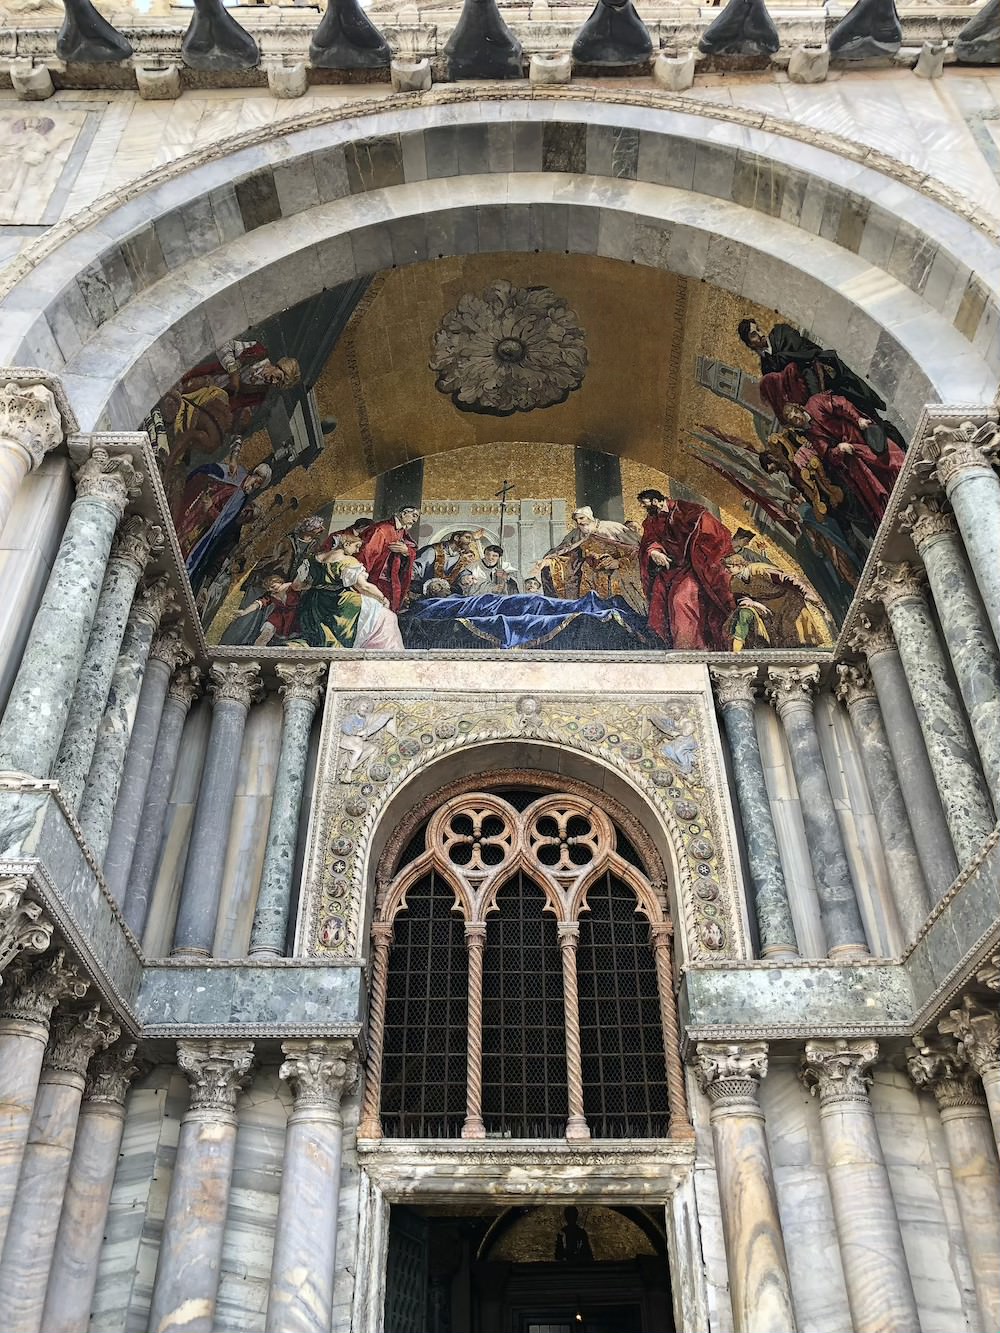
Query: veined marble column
{"x": 187, "y": 1274}
{"x": 735, "y": 691}
{"x": 97, "y": 809}
{"x": 38, "y": 706}
{"x": 30, "y": 426}
{"x": 24, "y": 927}
{"x": 879, "y": 1289}
{"x": 913, "y": 767}
{"x": 136, "y": 542}
{"x": 320, "y": 1073}
{"x": 30, "y": 994}
{"x": 235, "y": 684}
{"x": 791, "y": 691}
{"x": 908, "y": 886}
{"x": 950, "y": 748}
{"x": 168, "y": 652}
{"x": 967, "y": 632}
{"x": 184, "y": 689}
{"x": 759, "y": 1287}
{"x": 976, "y": 1028}
{"x": 300, "y": 689}
{"x": 34, "y": 1218}
{"x": 73, "y": 1275}
{"x": 972, "y": 1155}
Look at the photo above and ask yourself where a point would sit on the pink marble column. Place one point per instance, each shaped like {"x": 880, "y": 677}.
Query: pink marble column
{"x": 576, "y": 1121}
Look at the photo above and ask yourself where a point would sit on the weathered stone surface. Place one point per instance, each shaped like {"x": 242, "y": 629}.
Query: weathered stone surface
{"x": 215, "y": 41}
{"x": 410, "y": 76}
{"x": 614, "y": 34}
{"x": 30, "y": 426}
{"x": 675, "y": 73}
{"x": 347, "y": 39}
{"x": 88, "y": 38}
{"x": 482, "y": 46}
{"x": 979, "y": 41}
{"x": 809, "y": 64}
{"x": 158, "y": 85}
{"x": 31, "y": 82}
{"x": 930, "y": 61}
{"x": 871, "y": 28}
{"x": 744, "y": 28}
{"x": 545, "y": 70}
{"x": 288, "y": 80}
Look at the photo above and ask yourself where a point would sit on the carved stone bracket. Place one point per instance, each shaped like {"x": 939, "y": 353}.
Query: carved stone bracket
{"x": 729, "y": 1074}
{"x": 112, "y": 479}
{"x": 940, "y": 1066}
{"x": 301, "y": 681}
{"x": 235, "y": 682}
{"x": 30, "y": 419}
{"x": 320, "y": 1072}
{"x": 976, "y": 1029}
{"x": 34, "y": 990}
{"x": 840, "y": 1071}
{"x": 216, "y": 1071}
{"x": 24, "y": 928}
{"x": 76, "y": 1037}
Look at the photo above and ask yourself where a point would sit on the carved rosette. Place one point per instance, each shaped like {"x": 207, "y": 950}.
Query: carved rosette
{"x": 300, "y": 682}
{"x": 75, "y": 1037}
{"x": 854, "y": 684}
{"x": 111, "y": 479}
{"x": 840, "y": 1071}
{"x": 897, "y": 583}
{"x": 171, "y": 648}
{"x": 789, "y": 688}
{"x": 976, "y": 1029}
{"x": 320, "y": 1072}
{"x": 30, "y": 420}
{"x": 155, "y": 601}
{"x": 110, "y": 1075}
{"x": 926, "y": 520}
{"x": 185, "y": 685}
{"x": 24, "y": 928}
{"x": 734, "y": 685}
{"x": 729, "y": 1073}
{"x": 216, "y": 1072}
{"x": 958, "y": 449}
{"x": 872, "y": 637}
{"x": 34, "y": 990}
{"x": 940, "y": 1067}
{"x": 138, "y": 540}
{"x": 235, "y": 682}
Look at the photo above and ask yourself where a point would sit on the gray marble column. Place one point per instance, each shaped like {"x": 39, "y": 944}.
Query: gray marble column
{"x": 976, "y": 1028}
{"x": 97, "y": 809}
{"x": 30, "y": 993}
{"x": 950, "y": 747}
{"x": 301, "y": 688}
{"x": 759, "y": 1286}
{"x": 24, "y": 927}
{"x": 73, "y": 1274}
{"x": 879, "y": 1289}
{"x": 735, "y": 690}
{"x": 34, "y": 1219}
{"x": 184, "y": 689}
{"x": 38, "y": 706}
{"x": 909, "y": 754}
{"x": 234, "y": 686}
{"x": 908, "y": 886}
{"x": 319, "y": 1072}
{"x": 187, "y": 1273}
{"x": 30, "y": 426}
{"x": 136, "y": 542}
{"x": 791, "y": 691}
{"x": 168, "y": 652}
{"x": 972, "y": 1155}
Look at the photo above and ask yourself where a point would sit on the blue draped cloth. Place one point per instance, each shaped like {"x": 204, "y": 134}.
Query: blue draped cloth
{"x": 524, "y": 620}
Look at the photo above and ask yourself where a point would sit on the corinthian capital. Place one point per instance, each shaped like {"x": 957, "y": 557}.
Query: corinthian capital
{"x": 138, "y": 539}
{"x": 216, "y": 1071}
{"x": 155, "y": 601}
{"x": 958, "y": 449}
{"x": 24, "y": 928}
{"x": 75, "y": 1037}
{"x": 185, "y": 685}
{"x": 976, "y": 1029}
{"x": 734, "y": 684}
{"x": 236, "y": 682}
{"x": 112, "y": 479}
{"x": 854, "y": 683}
{"x": 320, "y": 1072}
{"x": 941, "y": 1067}
{"x": 729, "y": 1073}
{"x": 30, "y": 419}
{"x": 927, "y": 519}
{"x": 110, "y": 1074}
{"x": 171, "y": 648}
{"x": 896, "y": 583}
{"x": 300, "y": 681}
{"x": 872, "y": 637}
{"x": 839, "y": 1070}
{"x": 791, "y": 687}
{"x": 34, "y": 990}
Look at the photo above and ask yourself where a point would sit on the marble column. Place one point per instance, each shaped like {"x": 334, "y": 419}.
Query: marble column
{"x": 97, "y": 809}
{"x": 964, "y": 455}
{"x": 791, "y": 691}
{"x": 41, "y": 1187}
{"x": 661, "y": 935}
{"x": 301, "y": 687}
{"x": 759, "y": 1286}
{"x": 187, "y": 1273}
{"x": 40, "y": 698}
{"x": 184, "y": 689}
{"x": 967, "y": 632}
{"x": 73, "y": 1275}
{"x": 320, "y": 1072}
{"x": 879, "y": 1289}
{"x": 370, "y": 1124}
{"x": 906, "y": 877}
{"x": 909, "y": 754}
{"x": 234, "y": 685}
{"x": 30, "y": 993}
{"x": 576, "y": 1121}
{"x": 972, "y": 1155}
{"x": 735, "y": 691}
{"x": 950, "y": 747}
{"x": 475, "y": 944}
{"x": 976, "y": 1028}
{"x": 136, "y": 542}
{"x": 168, "y": 652}
{"x": 30, "y": 426}
{"x": 24, "y": 927}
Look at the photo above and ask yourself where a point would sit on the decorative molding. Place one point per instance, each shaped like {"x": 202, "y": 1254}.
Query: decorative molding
{"x": 111, "y": 1073}
{"x": 34, "y": 990}
{"x": 30, "y": 419}
{"x": 957, "y": 449}
{"x": 940, "y": 1066}
{"x": 976, "y": 1029}
{"x": 109, "y": 478}
{"x": 839, "y": 1070}
{"x": 854, "y": 684}
{"x": 235, "y": 682}
{"x": 320, "y": 1073}
{"x": 216, "y": 1071}
{"x": 927, "y": 519}
{"x": 24, "y": 928}
{"x": 734, "y": 684}
{"x": 729, "y": 1073}
{"x": 301, "y": 681}
{"x": 75, "y": 1037}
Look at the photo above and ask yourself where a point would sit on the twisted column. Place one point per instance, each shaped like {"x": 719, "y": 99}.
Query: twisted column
{"x": 735, "y": 691}
{"x": 30, "y": 427}
{"x": 475, "y": 943}
{"x": 24, "y": 927}
{"x": 950, "y": 747}
{"x": 186, "y": 1285}
{"x": 972, "y": 1155}
{"x": 661, "y": 942}
{"x": 77, "y": 1253}
{"x": 34, "y": 1218}
{"x": 879, "y": 1290}
{"x": 759, "y": 1286}
{"x": 320, "y": 1073}
{"x": 301, "y": 687}
{"x": 136, "y": 542}
{"x": 906, "y": 877}
{"x": 976, "y": 1028}
{"x": 234, "y": 685}
{"x": 370, "y": 1125}
{"x": 576, "y": 1123}
{"x": 791, "y": 690}
{"x": 40, "y": 698}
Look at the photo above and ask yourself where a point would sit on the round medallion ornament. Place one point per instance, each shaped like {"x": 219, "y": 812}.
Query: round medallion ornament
{"x": 333, "y": 932}
{"x": 593, "y": 731}
{"x": 357, "y": 806}
{"x": 445, "y": 730}
{"x": 712, "y": 935}
{"x": 342, "y": 846}
{"x": 702, "y": 849}
{"x": 708, "y": 892}
{"x": 408, "y": 748}
{"x": 629, "y": 750}
{"x": 685, "y": 810}
{"x": 663, "y": 777}
{"x": 379, "y": 772}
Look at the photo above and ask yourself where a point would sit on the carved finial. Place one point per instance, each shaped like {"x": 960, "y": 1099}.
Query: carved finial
{"x": 235, "y": 682}
{"x": 734, "y": 684}
{"x": 896, "y": 583}
{"x": 24, "y": 928}
{"x": 320, "y": 1071}
{"x": 927, "y": 519}
{"x": 854, "y": 683}
{"x": 792, "y": 687}
{"x": 216, "y": 1071}
{"x": 939, "y": 1065}
{"x": 958, "y": 449}
{"x": 839, "y": 1070}
{"x": 30, "y": 419}
{"x": 730, "y": 1072}
{"x": 301, "y": 680}
{"x": 111, "y": 479}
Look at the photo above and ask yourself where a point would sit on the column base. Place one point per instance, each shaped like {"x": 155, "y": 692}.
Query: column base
{"x": 780, "y": 952}
{"x": 370, "y": 1129}
{"x": 257, "y": 955}
{"x": 183, "y": 951}
{"x": 473, "y": 1128}
{"x": 577, "y": 1128}
{"x": 848, "y": 953}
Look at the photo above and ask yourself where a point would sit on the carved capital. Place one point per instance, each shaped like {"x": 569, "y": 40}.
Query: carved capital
{"x": 75, "y": 1037}
{"x": 24, "y": 928}
{"x": 872, "y": 637}
{"x": 792, "y": 687}
{"x": 185, "y": 685}
{"x": 839, "y": 1070}
{"x": 927, "y": 519}
{"x": 976, "y": 1029}
{"x": 854, "y": 683}
{"x": 734, "y": 684}
{"x": 729, "y": 1073}
{"x": 382, "y": 933}
{"x": 235, "y": 682}
{"x": 301, "y": 680}
{"x": 155, "y": 601}
{"x": 958, "y": 449}
{"x": 110, "y": 1074}
{"x": 475, "y": 934}
{"x": 940, "y": 1066}
{"x": 216, "y": 1071}
{"x": 989, "y": 974}
{"x": 568, "y": 933}
{"x": 320, "y": 1072}
{"x": 30, "y": 419}
{"x": 171, "y": 648}
{"x": 896, "y": 583}
{"x": 112, "y": 479}
{"x": 137, "y": 541}
{"x": 34, "y": 990}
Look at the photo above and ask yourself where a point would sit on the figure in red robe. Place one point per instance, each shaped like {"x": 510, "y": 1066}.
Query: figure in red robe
{"x": 388, "y": 553}
{"x": 687, "y": 585}
{"x": 837, "y": 431}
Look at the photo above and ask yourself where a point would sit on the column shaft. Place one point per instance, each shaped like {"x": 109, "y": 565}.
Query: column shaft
{"x": 475, "y": 940}
{"x": 660, "y": 941}
{"x": 963, "y": 465}
{"x": 576, "y": 1122}
{"x": 370, "y": 1126}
